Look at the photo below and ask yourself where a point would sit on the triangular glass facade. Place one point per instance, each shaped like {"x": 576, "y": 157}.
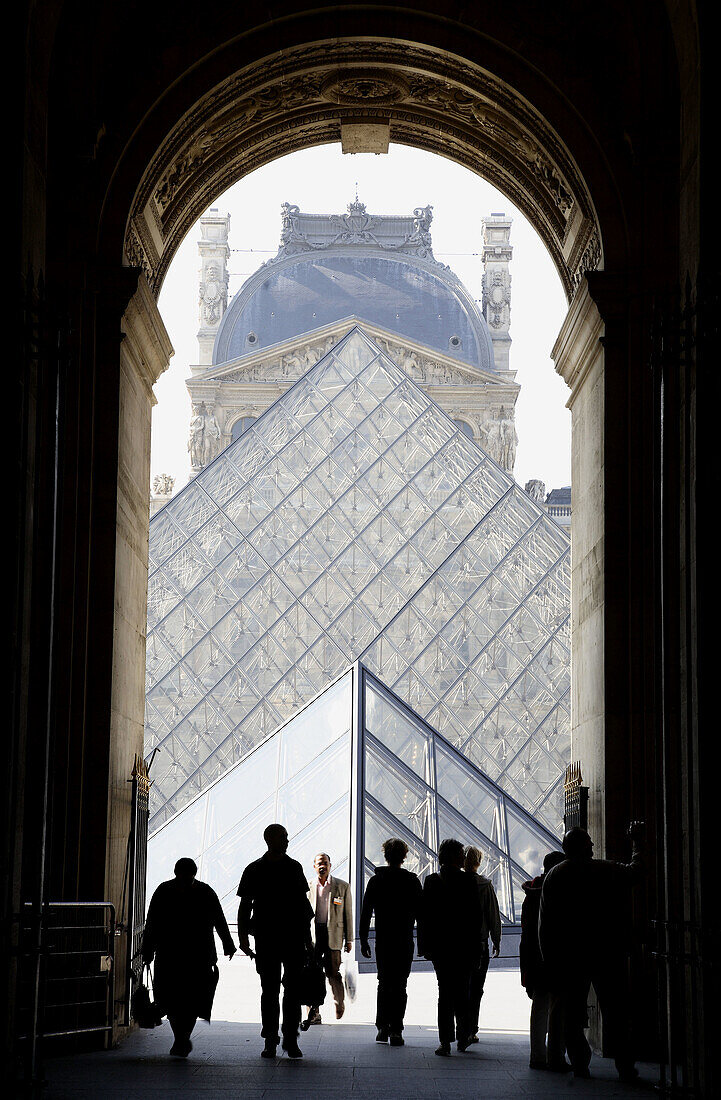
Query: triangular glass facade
{"x": 352, "y": 768}
{"x": 354, "y": 520}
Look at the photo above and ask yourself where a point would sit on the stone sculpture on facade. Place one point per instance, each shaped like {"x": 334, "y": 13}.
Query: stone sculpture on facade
{"x": 509, "y": 440}
{"x": 195, "y": 442}
{"x": 163, "y": 485}
{"x": 536, "y": 490}
{"x": 211, "y": 437}
{"x": 499, "y": 438}
{"x": 204, "y": 440}
{"x": 211, "y": 297}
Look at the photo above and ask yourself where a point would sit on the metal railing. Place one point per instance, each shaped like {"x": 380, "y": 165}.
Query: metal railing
{"x": 77, "y": 974}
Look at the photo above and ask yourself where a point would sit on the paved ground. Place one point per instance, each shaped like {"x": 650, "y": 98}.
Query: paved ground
{"x": 340, "y": 1058}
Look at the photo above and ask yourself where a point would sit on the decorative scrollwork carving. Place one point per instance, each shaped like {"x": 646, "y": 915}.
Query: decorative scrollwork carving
{"x": 431, "y": 99}
{"x": 364, "y": 86}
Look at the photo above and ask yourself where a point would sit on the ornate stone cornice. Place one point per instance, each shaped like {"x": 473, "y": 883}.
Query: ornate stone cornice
{"x": 578, "y": 345}
{"x": 299, "y": 97}
{"x": 146, "y": 343}
{"x": 303, "y": 233}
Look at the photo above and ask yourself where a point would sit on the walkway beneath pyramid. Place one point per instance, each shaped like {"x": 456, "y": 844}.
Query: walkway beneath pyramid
{"x": 340, "y": 1058}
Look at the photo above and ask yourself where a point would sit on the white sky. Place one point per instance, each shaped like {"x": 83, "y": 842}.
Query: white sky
{"x": 323, "y": 180}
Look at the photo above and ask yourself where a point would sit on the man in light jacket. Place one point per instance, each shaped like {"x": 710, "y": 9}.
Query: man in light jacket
{"x": 330, "y": 899}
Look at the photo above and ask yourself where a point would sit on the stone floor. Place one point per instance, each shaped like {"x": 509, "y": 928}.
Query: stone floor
{"x": 340, "y": 1057}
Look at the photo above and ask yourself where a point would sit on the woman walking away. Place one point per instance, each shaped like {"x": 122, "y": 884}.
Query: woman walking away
{"x": 490, "y": 926}
{"x": 179, "y": 936}
{"x": 394, "y": 895}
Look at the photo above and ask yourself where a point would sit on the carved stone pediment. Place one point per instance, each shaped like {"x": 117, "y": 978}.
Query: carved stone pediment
{"x": 290, "y": 361}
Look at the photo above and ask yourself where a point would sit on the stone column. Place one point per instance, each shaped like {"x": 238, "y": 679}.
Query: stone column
{"x": 213, "y": 289}
{"x": 579, "y": 358}
{"x": 496, "y": 284}
{"x": 144, "y": 355}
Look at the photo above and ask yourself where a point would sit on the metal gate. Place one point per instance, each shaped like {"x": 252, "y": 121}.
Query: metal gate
{"x": 76, "y": 975}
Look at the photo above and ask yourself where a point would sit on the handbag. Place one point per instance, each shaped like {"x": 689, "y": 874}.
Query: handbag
{"x": 143, "y": 1008}
{"x": 350, "y": 978}
{"x": 311, "y": 983}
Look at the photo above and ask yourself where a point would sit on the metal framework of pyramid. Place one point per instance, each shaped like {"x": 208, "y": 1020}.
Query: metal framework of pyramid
{"x": 352, "y": 768}
{"x": 355, "y": 521}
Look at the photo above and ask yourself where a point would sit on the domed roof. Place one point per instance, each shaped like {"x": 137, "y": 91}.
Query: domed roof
{"x": 377, "y": 269}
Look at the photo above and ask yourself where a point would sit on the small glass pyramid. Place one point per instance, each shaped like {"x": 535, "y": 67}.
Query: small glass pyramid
{"x": 352, "y": 768}
{"x": 354, "y": 520}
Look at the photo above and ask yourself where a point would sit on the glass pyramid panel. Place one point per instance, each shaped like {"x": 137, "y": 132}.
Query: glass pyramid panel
{"x": 300, "y": 775}
{"x": 410, "y": 782}
{"x": 454, "y": 800}
{"x": 354, "y": 519}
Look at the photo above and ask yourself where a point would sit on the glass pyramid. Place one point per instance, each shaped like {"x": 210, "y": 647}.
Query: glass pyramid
{"x": 354, "y": 520}
{"x": 352, "y": 768}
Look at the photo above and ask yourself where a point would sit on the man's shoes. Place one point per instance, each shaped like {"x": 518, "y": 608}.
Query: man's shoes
{"x": 268, "y": 1050}
{"x": 396, "y": 1039}
{"x": 292, "y": 1049}
{"x": 559, "y": 1067}
{"x": 339, "y": 1010}
{"x": 444, "y": 1050}
{"x": 181, "y": 1048}
{"x": 314, "y": 1018}
{"x": 463, "y": 1045}
{"x": 473, "y": 1039}
{"x": 381, "y": 1036}
{"x": 536, "y": 1063}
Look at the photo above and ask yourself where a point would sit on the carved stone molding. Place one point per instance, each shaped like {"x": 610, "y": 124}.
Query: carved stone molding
{"x": 299, "y": 98}
{"x": 579, "y": 347}
{"x": 146, "y": 344}
{"x": 376, "y": 87}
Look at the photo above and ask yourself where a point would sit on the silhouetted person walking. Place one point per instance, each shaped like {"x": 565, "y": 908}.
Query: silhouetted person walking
{"x": 490, "y": 928}
{"x": 331, "y": 902}
{"x": 274, "y": 909}
{"x": 584, "y": 928}
{"x": 395, "y": 896}
{"x": 179, "y": 936}
{"x": 451, "y": 938}
{"x": 546, "y": 1008}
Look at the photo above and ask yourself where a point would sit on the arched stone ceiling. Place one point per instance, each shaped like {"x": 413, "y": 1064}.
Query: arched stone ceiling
{"x": 298, "y": 98}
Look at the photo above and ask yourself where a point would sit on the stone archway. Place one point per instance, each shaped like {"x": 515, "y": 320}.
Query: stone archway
{"x": 309, "y": 95}
{"x": 124, "y": 151}
{"x": 428, "y": 98}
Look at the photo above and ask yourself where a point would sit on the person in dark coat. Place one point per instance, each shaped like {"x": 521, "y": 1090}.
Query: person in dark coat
{"x": 490, "y": 929}
{"x": 546, "y": 1015}
{"x": 275, "y": 910}
{"x": 584, "y": 931}
{"x": 179, "y": 935}
{"x": 394, "y": 895}
{"x": 451, "y": 938}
